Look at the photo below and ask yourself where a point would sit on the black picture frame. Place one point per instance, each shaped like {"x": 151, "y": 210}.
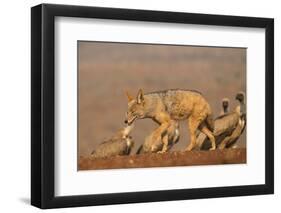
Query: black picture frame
{"x": 43, "y": 102}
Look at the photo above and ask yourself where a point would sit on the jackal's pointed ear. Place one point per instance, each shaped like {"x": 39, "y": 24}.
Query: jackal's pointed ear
{"x": 140, "y": 98}
{"x": 129, "y": 96}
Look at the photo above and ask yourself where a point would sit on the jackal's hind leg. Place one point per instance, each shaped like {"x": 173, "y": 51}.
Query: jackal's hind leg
{"x": 210, "y": 135}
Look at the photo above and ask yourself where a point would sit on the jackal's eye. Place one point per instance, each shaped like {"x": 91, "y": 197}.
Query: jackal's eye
{"x": 133, "y": 109}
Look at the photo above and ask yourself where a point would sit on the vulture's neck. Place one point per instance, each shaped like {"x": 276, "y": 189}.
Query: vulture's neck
{"x": 241, "y": 108}
{"x": 225, "y": 109}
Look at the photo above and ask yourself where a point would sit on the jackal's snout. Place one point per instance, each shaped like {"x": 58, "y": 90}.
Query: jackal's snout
{"x": 130, "y": 118}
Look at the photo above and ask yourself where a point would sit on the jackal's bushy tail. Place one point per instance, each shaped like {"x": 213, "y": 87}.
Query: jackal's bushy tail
{"x": 210, "y": 122}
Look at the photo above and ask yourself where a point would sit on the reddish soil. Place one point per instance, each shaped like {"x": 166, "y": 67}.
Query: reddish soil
{"x": 176, "y": 158}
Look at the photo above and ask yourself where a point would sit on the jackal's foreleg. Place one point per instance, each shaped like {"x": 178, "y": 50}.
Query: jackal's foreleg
{"x": 165, "y": 141}
{"x": 164, "y": 120}
{"x": 162, "y": 131}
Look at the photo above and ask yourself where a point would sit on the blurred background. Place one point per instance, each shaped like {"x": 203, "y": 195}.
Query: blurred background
{"x": 107, "y": 70}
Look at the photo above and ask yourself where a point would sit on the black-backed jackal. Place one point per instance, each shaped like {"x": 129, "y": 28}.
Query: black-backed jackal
{"x": 167, "y": 106}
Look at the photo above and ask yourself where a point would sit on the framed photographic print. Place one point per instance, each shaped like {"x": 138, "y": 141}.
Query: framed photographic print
{"x": 139, "y": 106}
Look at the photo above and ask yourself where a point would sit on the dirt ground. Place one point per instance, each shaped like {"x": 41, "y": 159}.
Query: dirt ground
{"x": 177, "y": 158}
{"x": 106, "y": 70}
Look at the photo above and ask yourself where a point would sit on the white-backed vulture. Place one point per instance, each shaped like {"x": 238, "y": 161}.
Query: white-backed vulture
{"x": 225, "y": 106}
{"x": 155, "y": 143}
{"x": 228, "y": 127}
{"x": 120, "y": 144}
{"x": 230, "y": 140}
